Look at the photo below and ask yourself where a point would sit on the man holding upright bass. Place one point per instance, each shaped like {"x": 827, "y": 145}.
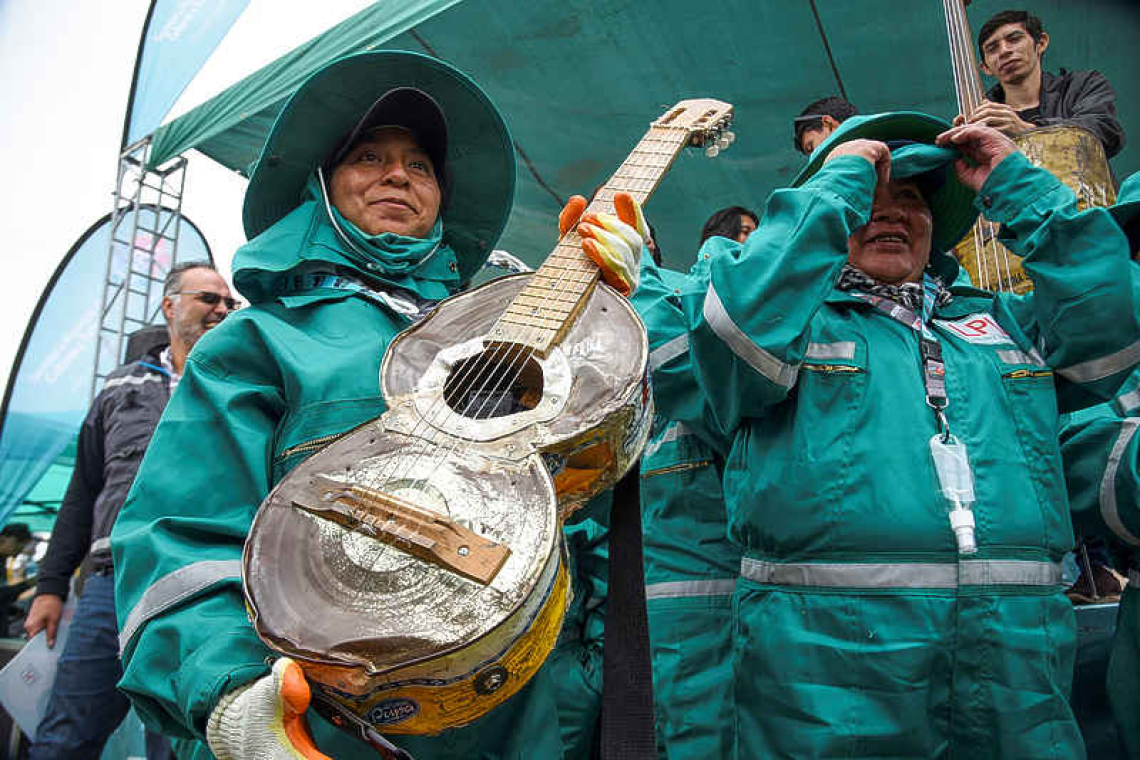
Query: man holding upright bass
{"x": 1012, "y": 45}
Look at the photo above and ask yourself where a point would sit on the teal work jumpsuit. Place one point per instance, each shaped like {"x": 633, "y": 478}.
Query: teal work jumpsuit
{"x": 690, "y": 565}
{"x": 858, "y": 629}
{"x": 262, "y": 391}
{"x": 1101, "y": 451}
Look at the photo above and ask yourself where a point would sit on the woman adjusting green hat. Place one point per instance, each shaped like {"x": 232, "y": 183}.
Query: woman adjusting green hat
{"x": 382, "y": 187}
{"x": 893, "y": 477}
{"x": 911, "y": 136}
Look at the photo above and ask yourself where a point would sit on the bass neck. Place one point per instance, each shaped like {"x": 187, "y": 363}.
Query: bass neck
{"x": 963, "y": 62}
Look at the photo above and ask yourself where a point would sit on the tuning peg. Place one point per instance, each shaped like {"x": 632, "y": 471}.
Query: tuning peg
{"x": 723, "y": 143}
{"x": 712, "y": 150}
{"x": 730, "y": 136}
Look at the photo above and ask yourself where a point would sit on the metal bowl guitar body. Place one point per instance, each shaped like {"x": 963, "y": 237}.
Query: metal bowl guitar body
{"x": 407, "y": 636}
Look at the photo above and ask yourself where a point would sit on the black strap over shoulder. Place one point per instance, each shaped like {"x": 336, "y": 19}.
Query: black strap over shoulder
{"x": 627, "y": 722}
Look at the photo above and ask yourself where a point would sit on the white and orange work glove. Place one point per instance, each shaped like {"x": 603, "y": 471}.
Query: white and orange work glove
{"x": 266, "y": 719}
{"x": 614, "y": 243}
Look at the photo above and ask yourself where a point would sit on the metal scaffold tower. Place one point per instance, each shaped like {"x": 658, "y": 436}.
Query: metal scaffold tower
{"x": 145, "y": 223}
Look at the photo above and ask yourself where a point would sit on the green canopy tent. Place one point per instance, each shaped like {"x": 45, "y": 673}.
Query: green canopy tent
{"x": 580, "y": 81}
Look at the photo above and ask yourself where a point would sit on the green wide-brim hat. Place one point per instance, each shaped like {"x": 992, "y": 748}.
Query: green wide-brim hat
{"x": 952, "y": 207}
{"x": 480, "y": 154}
{"x": 1126, "y": 211}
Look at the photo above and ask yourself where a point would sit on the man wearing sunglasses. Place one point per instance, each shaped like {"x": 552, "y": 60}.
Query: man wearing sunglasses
{"x": 84, "y": 707}
{"x": 199, "y": 300}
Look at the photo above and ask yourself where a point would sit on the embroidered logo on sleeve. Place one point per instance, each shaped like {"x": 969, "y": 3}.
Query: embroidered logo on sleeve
{"x": 976, "y": 328}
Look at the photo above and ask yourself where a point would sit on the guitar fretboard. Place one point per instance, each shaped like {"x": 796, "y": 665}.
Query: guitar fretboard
{"x": 538, "y": 316}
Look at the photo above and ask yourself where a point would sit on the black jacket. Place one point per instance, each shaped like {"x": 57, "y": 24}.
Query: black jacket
{"x": 1083, "y": 98}
{"x": 112, "y": 440}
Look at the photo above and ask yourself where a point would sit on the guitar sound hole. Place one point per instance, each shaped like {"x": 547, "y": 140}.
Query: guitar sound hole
{"x": 493, "y": 384}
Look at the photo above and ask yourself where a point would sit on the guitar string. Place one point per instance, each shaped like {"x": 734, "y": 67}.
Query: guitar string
{"x": 605, "y": 196}
{"x": 538, "y": 331}
{"x": 374, "y": 482}
{"x": 489, "y": 358}
{"x": 991, "y": 255}
{"x": 968, "y": 100}
{"x": 582, "y": 277}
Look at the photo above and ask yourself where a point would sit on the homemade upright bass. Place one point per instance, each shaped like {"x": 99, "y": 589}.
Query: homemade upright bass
{"x": 1072, "y": 153}
{"x": 415, "y": 566}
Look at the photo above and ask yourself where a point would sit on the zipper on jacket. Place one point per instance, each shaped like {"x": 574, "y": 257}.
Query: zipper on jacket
{"x": 1018, "y": 373}
{"x": 831, "y": 368}
{"x": 677, "y": 468}
{"x": 313, "y": 445}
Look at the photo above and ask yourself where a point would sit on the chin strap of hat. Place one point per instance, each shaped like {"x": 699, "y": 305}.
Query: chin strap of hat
{"x": 627, "y": 718}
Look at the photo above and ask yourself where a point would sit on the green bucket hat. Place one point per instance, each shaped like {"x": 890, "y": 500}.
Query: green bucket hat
{"x": 1126, "y": 210}
{"x": 951, "y": 204}
{"x": 480, "y": 155}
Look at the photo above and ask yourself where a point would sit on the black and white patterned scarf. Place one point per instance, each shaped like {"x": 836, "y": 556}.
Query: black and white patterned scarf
{"x": 908, "y": 294}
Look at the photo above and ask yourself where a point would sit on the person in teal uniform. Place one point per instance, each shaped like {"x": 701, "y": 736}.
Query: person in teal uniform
{"x": 381, "y": 189}
{"x": 690, "y": 565}
{"x": 1101, "y": 452}
{"x": 893, "y": 477}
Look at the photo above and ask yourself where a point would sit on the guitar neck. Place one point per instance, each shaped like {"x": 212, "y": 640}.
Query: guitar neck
{"x": 541, "y": 314}
{"x": 967, "y": 80}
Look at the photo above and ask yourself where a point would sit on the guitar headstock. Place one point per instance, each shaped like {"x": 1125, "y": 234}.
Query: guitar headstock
{"x": 706, "y": 120}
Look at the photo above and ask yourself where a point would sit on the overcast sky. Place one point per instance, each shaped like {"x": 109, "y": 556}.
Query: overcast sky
{"x": 65, "y": 75}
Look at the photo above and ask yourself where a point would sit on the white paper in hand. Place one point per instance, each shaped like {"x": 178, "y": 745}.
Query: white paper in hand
{"x": 25, "y": 682}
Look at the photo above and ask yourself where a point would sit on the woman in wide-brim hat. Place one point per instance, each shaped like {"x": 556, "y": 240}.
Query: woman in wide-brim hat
{"x": 382, "y": 188}
{"x": 893, "y": 477}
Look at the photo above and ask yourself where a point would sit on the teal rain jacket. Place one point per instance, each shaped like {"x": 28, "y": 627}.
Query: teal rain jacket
{"x": 575, "y": 665}
{"x": 262, "y": 391}
{"x": 1101, "y": 451}
{"x": 859, "y": 632}
{"x": 690, "y": 565}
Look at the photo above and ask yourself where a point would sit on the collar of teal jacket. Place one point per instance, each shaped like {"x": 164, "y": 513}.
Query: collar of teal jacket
{"x": 306, "y": 239}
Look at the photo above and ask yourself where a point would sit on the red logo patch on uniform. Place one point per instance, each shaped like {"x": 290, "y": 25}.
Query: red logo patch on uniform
{"x": 976, "y": 328}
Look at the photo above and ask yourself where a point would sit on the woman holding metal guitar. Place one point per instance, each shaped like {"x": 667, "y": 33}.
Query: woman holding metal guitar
{"x": 382, "y": 188}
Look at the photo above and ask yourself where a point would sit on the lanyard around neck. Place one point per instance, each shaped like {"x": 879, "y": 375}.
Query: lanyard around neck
{"x": 933, "y": 368}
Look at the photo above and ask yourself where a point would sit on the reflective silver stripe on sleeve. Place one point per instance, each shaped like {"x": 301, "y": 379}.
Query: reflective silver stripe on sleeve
{"x": 668, "y": 351}
{"x": 101, "y": 544}
{"x": 830, "y": 351}
{"x": 1020, "y": 357}
{"x": 672, "y": 433}
{"x": 1105, "y": 366}
{"x": 760, "y": 360}
{"x": 679, "y": 589}
{"x": 1108, "y": 508}
{"x": 133, "y": 380}
{"x": 1127, "y": 402}
{"x": 173, "y": 588}
{"x": 975, "y": 572}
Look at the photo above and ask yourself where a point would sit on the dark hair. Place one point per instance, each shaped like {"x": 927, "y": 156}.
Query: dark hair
{"x": 726, "y": 223}
{"x": 658, "y": 259}
{"x": 174, "y": 276}
{"x": 18, "y": 531}
{"x": 833, "y": 106}
{"x": 1031, "y": 23}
